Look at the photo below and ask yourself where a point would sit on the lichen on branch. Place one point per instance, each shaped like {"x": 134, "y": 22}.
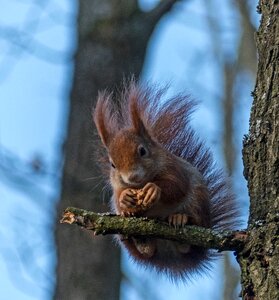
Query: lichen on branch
{"x": 133, "y": 226}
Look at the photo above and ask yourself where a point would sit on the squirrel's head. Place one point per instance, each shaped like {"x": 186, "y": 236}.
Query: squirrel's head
{"x": 135, "y": 159}
{"x": 138, "y": 132}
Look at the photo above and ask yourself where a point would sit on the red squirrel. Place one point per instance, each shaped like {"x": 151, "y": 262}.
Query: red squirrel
{"x": 158, "y": 168}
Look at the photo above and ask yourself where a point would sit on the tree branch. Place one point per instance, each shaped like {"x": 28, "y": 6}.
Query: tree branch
{"x": 133, "y": 226}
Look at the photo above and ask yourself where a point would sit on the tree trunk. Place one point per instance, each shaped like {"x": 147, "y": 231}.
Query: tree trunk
{"x": 112, "y": 39}
{"x": 260, "y": 259}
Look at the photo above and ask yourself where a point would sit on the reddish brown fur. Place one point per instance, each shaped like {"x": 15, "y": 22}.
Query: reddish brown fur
{"x": 176, "y": 162}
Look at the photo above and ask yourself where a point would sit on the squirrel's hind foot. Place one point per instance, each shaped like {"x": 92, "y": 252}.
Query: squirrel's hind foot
{"x": 178, "y": 220}
{"x": 145, "y": 247}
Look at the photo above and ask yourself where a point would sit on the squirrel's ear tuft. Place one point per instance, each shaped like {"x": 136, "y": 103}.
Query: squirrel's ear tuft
{"x": 103, "y": 117}
{"x": 136, "y": 109}
{"x": 140, "y": 128}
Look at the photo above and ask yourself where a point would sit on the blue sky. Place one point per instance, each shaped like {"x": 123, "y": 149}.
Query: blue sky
{"x": 33, "y": 111}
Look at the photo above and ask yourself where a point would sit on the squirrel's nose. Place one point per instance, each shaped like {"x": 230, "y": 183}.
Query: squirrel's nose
{"x": 135, "y": 177}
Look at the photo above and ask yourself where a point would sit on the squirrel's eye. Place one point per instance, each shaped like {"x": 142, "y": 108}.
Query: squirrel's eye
{"x": 112, "y": 165}
{"x": 142, "y": 151}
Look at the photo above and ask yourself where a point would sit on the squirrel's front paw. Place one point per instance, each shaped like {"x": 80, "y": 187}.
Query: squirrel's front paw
{"x": 128, "y": 202}
{"x": 151, "y": 193}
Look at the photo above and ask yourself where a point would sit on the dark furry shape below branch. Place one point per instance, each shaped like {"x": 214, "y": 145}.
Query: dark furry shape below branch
{"x": 112, "y": 224}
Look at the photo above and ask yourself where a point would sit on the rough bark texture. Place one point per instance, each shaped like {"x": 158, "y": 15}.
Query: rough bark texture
{"x": 260, "y": 259}
{"x": 112, "y": 39}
